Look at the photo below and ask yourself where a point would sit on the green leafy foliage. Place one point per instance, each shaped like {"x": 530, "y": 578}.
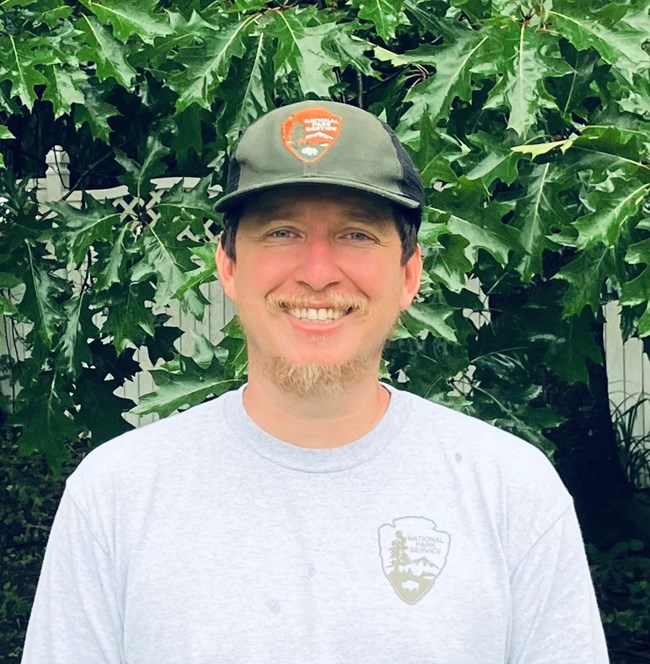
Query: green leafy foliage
{"x": 29, "y": 496}
{"x": 189, "y": 386}
{"x": 385, "y": 15}
{"x": 523, "y": 124}
{"x": 621, "y": 576}
{"x": 207, "y": 63}
{"x": 105, "y": 52}
{"x": 143, "y": 19}
{"x": 452, "y": 80}
{"x": 529, "y": 122}
{"x": 615, "y": 34}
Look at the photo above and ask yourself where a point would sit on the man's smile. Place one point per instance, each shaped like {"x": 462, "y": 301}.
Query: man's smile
{"x": 318, "y": 314}
{"x": 329, "y": 309}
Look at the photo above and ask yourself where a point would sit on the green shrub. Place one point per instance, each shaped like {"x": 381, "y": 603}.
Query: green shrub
{"x": 29, "y": 495}
{"x": 622, "y": 579}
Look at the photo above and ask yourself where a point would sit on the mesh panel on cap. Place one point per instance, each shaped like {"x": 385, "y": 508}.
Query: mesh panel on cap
{"x": 411, "y": 183}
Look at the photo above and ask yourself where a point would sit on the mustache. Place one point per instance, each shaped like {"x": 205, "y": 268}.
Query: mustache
{"x": 338, "y": 301}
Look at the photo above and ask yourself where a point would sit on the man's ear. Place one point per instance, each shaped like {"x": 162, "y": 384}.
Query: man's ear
{"x": 226, "y": 272}
{"x": 412, "y": 276}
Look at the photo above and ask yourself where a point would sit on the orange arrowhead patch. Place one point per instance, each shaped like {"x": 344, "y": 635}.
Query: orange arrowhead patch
{"x": 310, "y": 133}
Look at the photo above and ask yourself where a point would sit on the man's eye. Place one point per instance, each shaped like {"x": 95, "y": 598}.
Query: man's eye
{"x": 359, "y": 236}
{"x": 281, "y": 233}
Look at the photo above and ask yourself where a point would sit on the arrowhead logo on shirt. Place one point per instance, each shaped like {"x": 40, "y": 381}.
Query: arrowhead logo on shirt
{"x": 309, "y": 133}
{"x": 413, "y": 553}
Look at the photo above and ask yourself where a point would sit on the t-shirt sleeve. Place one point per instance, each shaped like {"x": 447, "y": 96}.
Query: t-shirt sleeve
{"x": 75, "y": 617}
{"x": 555, "y": 617}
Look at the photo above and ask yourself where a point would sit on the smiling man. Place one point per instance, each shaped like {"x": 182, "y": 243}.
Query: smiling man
{"x": 320, "y": 280}
{"x": 317, "y": 515}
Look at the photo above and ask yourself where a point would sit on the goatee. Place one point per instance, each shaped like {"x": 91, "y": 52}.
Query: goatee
{"x": 313, "y": 378}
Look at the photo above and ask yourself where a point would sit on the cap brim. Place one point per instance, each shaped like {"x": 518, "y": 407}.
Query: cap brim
{"x": 237, "y": 197}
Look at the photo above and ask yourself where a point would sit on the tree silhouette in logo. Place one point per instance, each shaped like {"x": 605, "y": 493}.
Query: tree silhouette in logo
{"x": 398, "y": 554}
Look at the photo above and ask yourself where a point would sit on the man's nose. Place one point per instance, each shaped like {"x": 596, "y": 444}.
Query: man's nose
{"x": 319, "y": 268}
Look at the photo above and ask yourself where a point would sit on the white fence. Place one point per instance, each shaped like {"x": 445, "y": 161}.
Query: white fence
{"x": 628, "y": 368}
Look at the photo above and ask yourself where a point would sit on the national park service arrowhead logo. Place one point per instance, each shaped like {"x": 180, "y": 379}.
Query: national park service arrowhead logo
{"x": 413, "y": 554}
{"x": 309, "y": 133}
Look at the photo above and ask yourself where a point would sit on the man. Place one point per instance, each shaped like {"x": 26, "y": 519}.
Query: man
{"x": 316, "y": 515}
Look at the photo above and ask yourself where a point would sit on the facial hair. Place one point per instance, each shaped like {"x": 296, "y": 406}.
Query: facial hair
{"x": 356, "y": 304}
{"x": 313, "y": 378}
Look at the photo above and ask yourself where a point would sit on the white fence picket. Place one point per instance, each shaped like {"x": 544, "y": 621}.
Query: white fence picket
{"x": 628, "y": 369}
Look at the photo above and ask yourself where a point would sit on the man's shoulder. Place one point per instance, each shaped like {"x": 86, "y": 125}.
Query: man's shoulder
{"x": 484, "y": 459}
{"x": 147, "y": 448}
{"x": 443, "y": 427}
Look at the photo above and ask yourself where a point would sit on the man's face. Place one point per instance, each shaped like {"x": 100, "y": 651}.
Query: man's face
{"x": 318, "y": 283}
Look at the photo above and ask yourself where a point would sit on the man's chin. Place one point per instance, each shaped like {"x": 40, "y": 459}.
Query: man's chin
{"x": 313, "y": 379}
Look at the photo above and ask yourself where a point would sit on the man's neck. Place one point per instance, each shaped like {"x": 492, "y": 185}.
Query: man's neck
{"x": 319, "y": 420}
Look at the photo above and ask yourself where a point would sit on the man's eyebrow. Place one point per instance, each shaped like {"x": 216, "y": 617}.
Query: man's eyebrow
{"x": 368, "y": 213}
{"x": 263, "y": 213}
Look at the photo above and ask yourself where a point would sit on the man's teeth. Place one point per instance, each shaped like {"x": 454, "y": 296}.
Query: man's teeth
{"x": 317, "y": 314}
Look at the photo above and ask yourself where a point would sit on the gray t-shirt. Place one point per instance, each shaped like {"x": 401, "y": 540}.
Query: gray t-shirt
{"x": 200, "y": 539}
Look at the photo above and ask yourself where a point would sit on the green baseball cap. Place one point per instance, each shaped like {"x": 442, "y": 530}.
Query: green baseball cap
{"x": 322, "y": 142}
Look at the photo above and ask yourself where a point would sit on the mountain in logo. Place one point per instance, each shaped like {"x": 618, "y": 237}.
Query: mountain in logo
{"x": 424, "y": 567}
{"x": 318, "y": 134}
